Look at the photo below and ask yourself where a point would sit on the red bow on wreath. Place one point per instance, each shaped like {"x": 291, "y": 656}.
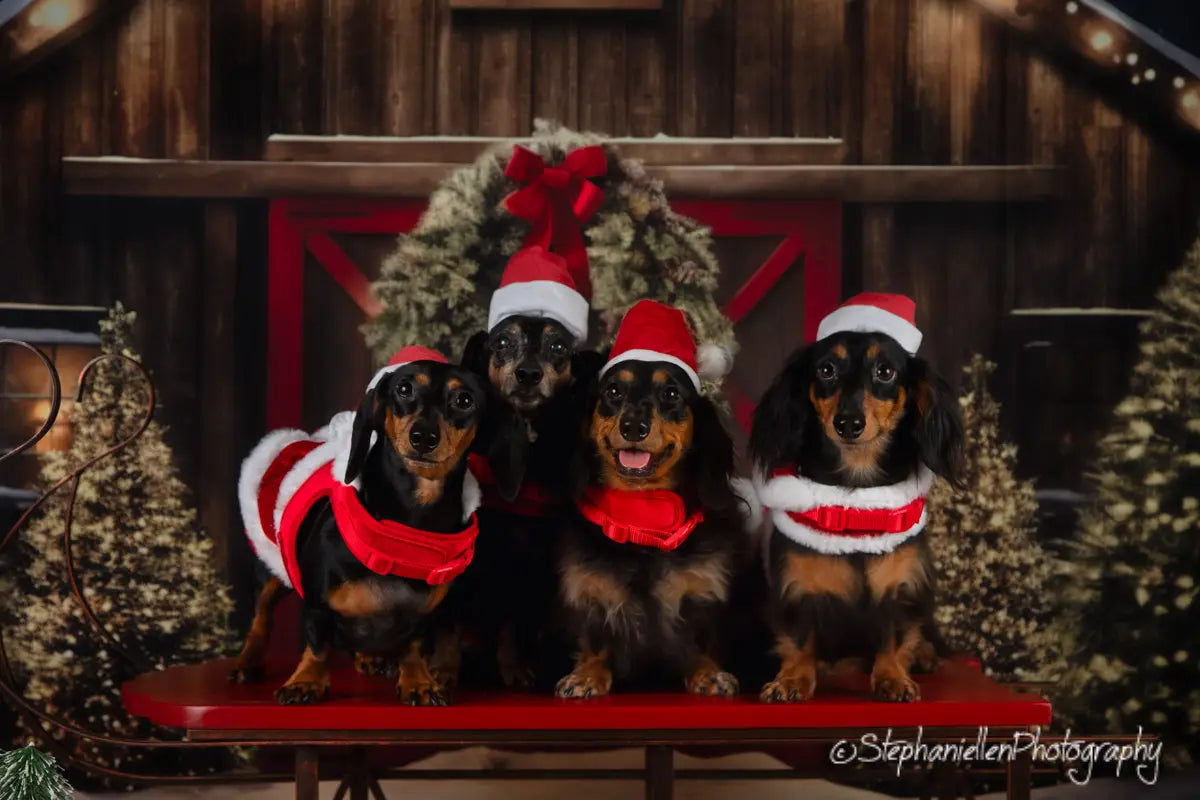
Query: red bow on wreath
{"x": 557, "y": 201}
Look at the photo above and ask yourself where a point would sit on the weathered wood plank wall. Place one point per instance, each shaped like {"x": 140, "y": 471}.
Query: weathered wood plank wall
{"x": 901, "y": 81}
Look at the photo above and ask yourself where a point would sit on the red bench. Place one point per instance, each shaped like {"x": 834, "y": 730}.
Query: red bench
{"x": 362, "y": 712}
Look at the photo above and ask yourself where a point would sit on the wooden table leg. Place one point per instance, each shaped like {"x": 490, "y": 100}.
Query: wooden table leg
{"x": 1020, "y": 776}
{"x": 660, "y": 772}
{"x": 358, "y": 775}
{"x": 307, "y": 783}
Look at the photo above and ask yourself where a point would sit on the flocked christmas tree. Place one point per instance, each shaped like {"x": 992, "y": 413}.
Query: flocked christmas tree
{"x": 29, "y": 774}
{"x": 434, "y": 288}
{"x": 1131, "y": 622}
{"x": 144, "y": 564}
{"x": 993, "y": 574}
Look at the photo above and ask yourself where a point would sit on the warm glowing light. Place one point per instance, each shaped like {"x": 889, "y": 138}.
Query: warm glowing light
{"x": 54, "y": 13}
{"x": 1131, "y": 59}
{"x": 1190, "y": 100}
{"x": 1101, "y": 41}
{"x": 1072, "y": 7}
{"x": 1177, "y": 83}
{"x": 1135, "y": 80}
{"x": 1150, "y": 74}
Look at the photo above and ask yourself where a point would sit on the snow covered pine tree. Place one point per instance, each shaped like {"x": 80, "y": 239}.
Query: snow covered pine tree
{"x": 1131, "y": 624}
{"x": 993, "y": 596}
{"x": 144, "y": 565}
{"x": 29, "y": 774}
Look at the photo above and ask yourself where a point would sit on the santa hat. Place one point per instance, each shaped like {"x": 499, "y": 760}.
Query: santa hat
{"x": 876, "y": 312}
{"x": 536, "y": 283}
{"x": 406, "y": 355}
{"x": 655, "y": 332}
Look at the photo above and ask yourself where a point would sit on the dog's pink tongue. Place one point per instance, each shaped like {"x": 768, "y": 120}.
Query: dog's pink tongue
{"x": 634, "y": 459}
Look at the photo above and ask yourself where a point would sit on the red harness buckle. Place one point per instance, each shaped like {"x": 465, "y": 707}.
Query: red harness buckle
{"x": 862, "y": 521}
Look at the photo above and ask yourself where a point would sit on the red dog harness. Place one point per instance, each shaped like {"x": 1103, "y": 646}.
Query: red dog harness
{"x": 849, "y": 521}
{"x": 383, "y": 546}
{"x": 531, "y": 501}
{"x": 652, "y": 518}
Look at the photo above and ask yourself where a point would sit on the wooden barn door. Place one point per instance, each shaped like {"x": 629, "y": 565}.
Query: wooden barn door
{"x": 781, "y": 272}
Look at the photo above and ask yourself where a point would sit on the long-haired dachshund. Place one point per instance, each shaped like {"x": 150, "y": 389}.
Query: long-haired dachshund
{"x": 647, "y": 561}
{"x": 539, "y": 380}
{"x": 846, "y": 443}
{"x": 372, "y": 522}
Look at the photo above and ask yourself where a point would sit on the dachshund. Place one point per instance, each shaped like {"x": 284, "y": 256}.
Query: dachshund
{"x": 538, "y": 381}
{"x": 845, "y": 444}
{"x": 404, "y": 464}
{"x": 647, "y": 561}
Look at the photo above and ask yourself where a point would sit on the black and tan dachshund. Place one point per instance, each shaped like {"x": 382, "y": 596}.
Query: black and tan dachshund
{"x": 846, "y": 442}
{"x": 407, "y": 454}
{"x": 540, "y": 378}
{"x": 649, "y": 602}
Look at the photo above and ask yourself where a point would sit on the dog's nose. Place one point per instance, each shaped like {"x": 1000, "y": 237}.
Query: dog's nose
{"x": 529, "y": 375}
{"x": 849, "y": 426}
{"x": 424, "y": 437}
{"x": 634, "y": 429}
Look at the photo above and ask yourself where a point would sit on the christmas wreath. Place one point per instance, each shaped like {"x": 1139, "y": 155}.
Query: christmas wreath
{"x": 571, "y": 192}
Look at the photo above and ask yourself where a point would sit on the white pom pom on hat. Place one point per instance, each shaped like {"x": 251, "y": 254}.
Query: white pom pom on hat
{"x": 652, "y": 331}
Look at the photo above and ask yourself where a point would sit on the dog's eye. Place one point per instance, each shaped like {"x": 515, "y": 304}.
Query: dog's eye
{"x": 614, "y": 393}
{"x": 885, "y": 373}
{"x": 405, "y": 389}
{"x": 464, "y": 401}
{"x": 670, "y": 394}
{"x": 503, "y": 342}
{"x": 558, "y": 349}
{"x": 827, "y": 371}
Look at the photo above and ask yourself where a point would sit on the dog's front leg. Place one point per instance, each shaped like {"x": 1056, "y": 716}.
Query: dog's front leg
{"x": 310, "y": 680}
{"x": 796, "y": 646}
{"x": 899, "y": 637}
{"x": 417, "y": 685}
{"x": 702, "y": 670}
{"x": 592, "y": 675}
{"x": 249, "y": 665}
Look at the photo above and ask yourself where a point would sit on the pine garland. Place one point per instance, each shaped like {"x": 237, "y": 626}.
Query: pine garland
{"x": 994, "y": 587}
{"x": 30, "y": 774}
{"x": 435, "y": 287}
{"x": 1131, "y": 621}
{"x": 145, "y": 566}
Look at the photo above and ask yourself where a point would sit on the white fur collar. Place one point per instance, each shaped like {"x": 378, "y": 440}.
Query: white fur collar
{"x": 784, "y": 493}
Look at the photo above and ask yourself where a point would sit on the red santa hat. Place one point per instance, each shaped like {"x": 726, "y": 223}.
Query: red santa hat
{"x": 876, "y": 312}
{"x": 536, "y": 283}
{"x": 406, "y": 355}
{"x": 655, "y": 332}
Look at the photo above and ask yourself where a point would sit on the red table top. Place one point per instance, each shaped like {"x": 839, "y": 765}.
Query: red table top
{"x": 200, "y": 697}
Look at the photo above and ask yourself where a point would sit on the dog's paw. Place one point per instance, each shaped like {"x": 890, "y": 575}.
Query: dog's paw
{"x": 518, "y": 677}
{"x": 375, "y": 665}
{"x": 789, "y": 689}
{"x": 298, "y": 693}
{"x": 894, "y": 687}
{"x": 578, "y": 685}
{"x": 713, "y": 683}
{"x": 421, "y": 692}
{"x": 253, "y": 673}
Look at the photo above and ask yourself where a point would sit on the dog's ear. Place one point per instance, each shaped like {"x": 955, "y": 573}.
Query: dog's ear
{"x": 507, "y": 450}
{"x": 367, "y": 421}
{"x": 475, "y": 354}
{"x": 711, "y": 460}
{"x": 782, "y": 414}
{"x": 939, "y": 425}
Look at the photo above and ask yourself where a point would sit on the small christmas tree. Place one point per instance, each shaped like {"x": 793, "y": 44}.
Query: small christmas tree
{"x": 30, "y": 774}
{"x": 1131, "y": 622}
{"x": 435, "y": 287}
{"x": 993, "y": 574}
{"x": 145, "y": 566}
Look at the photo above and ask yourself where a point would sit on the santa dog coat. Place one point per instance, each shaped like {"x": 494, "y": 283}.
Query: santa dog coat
{"x": 291, "y": 470}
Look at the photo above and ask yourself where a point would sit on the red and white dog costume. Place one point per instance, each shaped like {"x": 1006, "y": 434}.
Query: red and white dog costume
{"x": 291, "y": 470}
{"x": 840, "y": 519}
